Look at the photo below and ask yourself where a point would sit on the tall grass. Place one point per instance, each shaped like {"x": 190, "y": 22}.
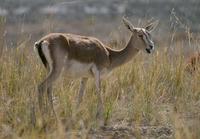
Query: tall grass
{"x": 152, "y": 92}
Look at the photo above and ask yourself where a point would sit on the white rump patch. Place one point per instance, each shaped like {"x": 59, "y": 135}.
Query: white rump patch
{"x": 45, "y": 49}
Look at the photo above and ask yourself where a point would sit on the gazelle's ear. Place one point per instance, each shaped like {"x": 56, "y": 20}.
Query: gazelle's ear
{"x": 150, "y": 27}
{"x": 128, "y": 24}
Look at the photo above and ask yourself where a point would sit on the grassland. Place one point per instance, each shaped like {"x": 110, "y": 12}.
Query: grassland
{"x": 150, "y": 97}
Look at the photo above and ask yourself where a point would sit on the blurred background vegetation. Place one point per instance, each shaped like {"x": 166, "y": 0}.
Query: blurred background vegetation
{"x": 152, "y": 97}
{"x": 34, "y": 18}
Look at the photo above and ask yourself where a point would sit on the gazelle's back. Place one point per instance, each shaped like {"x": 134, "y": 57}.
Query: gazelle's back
{"x": 80, "y": 48}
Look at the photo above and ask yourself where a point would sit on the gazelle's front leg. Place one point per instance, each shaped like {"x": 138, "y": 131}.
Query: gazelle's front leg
{"x": 96, "y": 74}
{"x": 81, "y": 91}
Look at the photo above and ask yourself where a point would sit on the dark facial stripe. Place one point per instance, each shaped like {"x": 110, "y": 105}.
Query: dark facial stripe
{"x": 146, "y": 38}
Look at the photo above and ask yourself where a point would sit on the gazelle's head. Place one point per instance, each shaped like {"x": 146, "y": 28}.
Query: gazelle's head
{"x": 141, "y": 38}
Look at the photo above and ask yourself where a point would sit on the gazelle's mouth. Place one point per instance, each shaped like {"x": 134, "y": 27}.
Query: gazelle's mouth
{"x": 148, "y": 50}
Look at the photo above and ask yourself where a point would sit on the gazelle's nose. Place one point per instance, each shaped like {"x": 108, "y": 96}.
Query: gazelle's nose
{"x": 151, "y": 46}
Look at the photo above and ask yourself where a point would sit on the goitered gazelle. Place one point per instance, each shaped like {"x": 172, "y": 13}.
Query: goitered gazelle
{"x": 84, "y": 57}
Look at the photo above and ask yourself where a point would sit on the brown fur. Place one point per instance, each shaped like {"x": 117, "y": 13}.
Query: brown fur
{"x": 80, "y": 48}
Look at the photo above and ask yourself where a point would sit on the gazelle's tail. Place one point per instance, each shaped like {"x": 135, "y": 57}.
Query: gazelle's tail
{"x": 38, "y": 48}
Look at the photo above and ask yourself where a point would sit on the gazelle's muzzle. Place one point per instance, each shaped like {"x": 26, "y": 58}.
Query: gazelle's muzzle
{"x": 149, "y": 49}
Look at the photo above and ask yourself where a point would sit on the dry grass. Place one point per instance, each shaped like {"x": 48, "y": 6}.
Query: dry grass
{"x": 151, "y": 97}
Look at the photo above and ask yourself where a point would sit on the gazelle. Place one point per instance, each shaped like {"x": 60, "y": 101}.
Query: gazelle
{"x": 84, "y": 57}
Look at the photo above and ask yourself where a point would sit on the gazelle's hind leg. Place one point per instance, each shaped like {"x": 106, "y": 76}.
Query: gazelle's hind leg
{"x": 54, "y": 67}
{"x": 81, "y": 91}
{"x": 46, "y": 86}
{"x": 50, "y": 99}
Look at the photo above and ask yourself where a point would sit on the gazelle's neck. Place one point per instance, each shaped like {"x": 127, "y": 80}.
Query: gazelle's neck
{"x": 120, "y": 57}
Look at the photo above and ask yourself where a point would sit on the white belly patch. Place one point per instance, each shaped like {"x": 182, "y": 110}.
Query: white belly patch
{"x": 76, "y": 69}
